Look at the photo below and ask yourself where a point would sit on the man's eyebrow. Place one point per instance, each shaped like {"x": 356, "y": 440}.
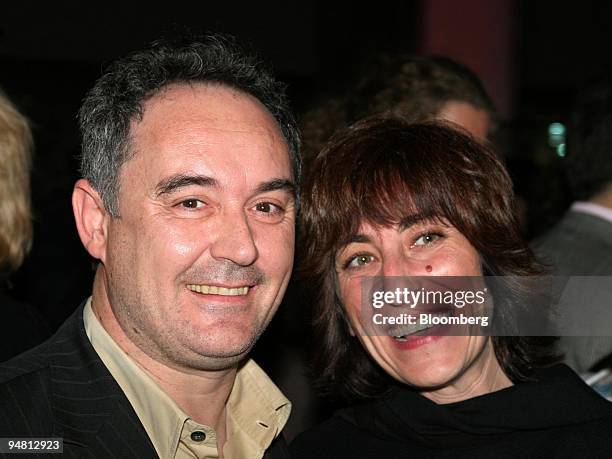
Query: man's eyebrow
{"x": 178, "y": 181}
{"x": 277, "y": 184}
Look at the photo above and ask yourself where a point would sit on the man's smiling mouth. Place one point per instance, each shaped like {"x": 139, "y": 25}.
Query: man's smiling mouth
{"x": 216, "y": 290}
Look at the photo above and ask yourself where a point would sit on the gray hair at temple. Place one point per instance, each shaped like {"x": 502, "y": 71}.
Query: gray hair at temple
{"x": 119, "y": 94}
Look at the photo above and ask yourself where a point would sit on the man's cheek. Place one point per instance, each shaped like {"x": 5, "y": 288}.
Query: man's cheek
{"x": 174, "y": 242}
{"x": 183, "y": 249}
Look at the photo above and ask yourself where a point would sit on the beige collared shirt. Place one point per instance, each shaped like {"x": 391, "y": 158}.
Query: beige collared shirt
{"x": 256, "y": 410}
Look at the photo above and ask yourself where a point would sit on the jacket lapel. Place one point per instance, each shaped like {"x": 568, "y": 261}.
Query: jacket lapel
{"x": 91, "y": 411}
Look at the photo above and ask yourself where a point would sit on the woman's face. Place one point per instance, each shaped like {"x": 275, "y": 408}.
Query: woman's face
{"x": 445, "y": 368}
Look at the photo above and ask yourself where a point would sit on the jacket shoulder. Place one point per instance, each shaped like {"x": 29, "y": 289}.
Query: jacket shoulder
{"x": 25, "y": 401}
{"x": 26, "y": 383}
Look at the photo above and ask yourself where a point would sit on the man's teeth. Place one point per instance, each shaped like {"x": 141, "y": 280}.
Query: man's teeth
{"x": 214, "y": 290}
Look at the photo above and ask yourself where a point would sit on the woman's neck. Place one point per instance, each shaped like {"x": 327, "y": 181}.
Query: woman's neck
{"x": 483, "y": 377}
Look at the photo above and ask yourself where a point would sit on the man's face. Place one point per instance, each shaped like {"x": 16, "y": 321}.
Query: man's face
{"x": 201, "y": 254}
{"x": 474, "y": 120}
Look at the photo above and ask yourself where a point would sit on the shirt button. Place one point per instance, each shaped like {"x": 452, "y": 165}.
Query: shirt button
{"x": 198, "y": 435}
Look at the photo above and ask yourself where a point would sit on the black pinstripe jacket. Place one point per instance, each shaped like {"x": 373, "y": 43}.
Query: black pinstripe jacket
{"x": 62, "y": 389}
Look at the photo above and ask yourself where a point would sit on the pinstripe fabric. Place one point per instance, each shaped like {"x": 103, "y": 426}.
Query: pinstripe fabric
{"x": 62, "y": 389}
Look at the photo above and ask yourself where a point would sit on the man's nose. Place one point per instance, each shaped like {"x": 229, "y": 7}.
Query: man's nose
{"x": 235, "y": 241}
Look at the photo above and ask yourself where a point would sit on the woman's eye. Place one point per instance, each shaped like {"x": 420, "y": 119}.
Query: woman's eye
{"x": 192, "y": 203}
{"x": 427, "y": 239}
{"x": 359, "y": 260}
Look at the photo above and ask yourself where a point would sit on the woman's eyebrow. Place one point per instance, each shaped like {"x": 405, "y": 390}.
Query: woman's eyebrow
{"x": 356, "y": 238}
{"x": 411, "y": 220}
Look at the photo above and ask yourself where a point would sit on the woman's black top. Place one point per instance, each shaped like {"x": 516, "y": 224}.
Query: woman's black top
{"x": 557, "y": 416}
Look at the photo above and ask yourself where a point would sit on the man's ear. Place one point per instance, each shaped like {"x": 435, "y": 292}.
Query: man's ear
{"x": 91, "y": 218}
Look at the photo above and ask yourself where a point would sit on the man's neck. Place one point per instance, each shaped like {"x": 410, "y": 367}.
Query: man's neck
{"x": 201, "y": 394}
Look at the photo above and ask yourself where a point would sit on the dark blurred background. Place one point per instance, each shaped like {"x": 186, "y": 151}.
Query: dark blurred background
{"x": 531, "y": 56}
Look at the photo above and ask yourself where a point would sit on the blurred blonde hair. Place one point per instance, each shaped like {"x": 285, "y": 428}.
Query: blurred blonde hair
{"x": 15, "y": 165}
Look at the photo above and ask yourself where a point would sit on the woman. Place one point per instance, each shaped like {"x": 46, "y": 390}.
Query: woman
{"x": 387, "y": 198}
{"x": 21, "y": 326}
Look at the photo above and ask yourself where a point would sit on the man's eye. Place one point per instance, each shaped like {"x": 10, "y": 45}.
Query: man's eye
{"x": 427, "y": 239}
{"x": 267, "y": 208}
{"x": 192, "y": 203}
{"x": 359, "y": 260}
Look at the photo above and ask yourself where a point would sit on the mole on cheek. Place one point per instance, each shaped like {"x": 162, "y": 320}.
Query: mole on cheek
{"x": 428, "y": 268}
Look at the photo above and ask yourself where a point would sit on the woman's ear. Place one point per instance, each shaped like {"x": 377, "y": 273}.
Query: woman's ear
{"x": 91, "y": 218}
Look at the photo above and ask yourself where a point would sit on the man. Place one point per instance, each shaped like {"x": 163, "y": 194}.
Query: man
{"x": 188, "y": 198}
{"x": 417, "y": 88}
{"x": 581, "y": 243}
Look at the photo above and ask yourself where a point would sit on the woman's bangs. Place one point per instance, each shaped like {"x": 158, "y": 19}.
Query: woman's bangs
{"x": 392, "y": 194}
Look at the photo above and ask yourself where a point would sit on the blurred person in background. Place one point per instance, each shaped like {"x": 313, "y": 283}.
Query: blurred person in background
{"x": 21, "y": 325}
{"x": 415, "y": 88}
{"x": 581, "y": 243}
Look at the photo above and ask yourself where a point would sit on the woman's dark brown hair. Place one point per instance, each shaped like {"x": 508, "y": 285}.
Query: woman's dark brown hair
{"x": 378, "y": 171}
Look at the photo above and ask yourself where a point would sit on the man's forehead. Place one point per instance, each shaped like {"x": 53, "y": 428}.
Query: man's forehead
{"x": 205, "y": 114}
{"x": 206, "y": 101}
{"x": 210, "y": 131}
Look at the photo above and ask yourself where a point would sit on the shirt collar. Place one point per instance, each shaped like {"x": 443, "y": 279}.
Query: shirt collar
{"x": 256, "y": 410}
{"x": 592, "y": 209}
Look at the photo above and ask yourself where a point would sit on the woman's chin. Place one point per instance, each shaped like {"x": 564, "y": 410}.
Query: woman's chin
{"x": 428, "y": 362}
{"x": 430, "y": 378}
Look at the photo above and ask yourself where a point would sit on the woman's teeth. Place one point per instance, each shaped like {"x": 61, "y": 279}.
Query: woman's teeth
{"x": 401, "y": 333}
